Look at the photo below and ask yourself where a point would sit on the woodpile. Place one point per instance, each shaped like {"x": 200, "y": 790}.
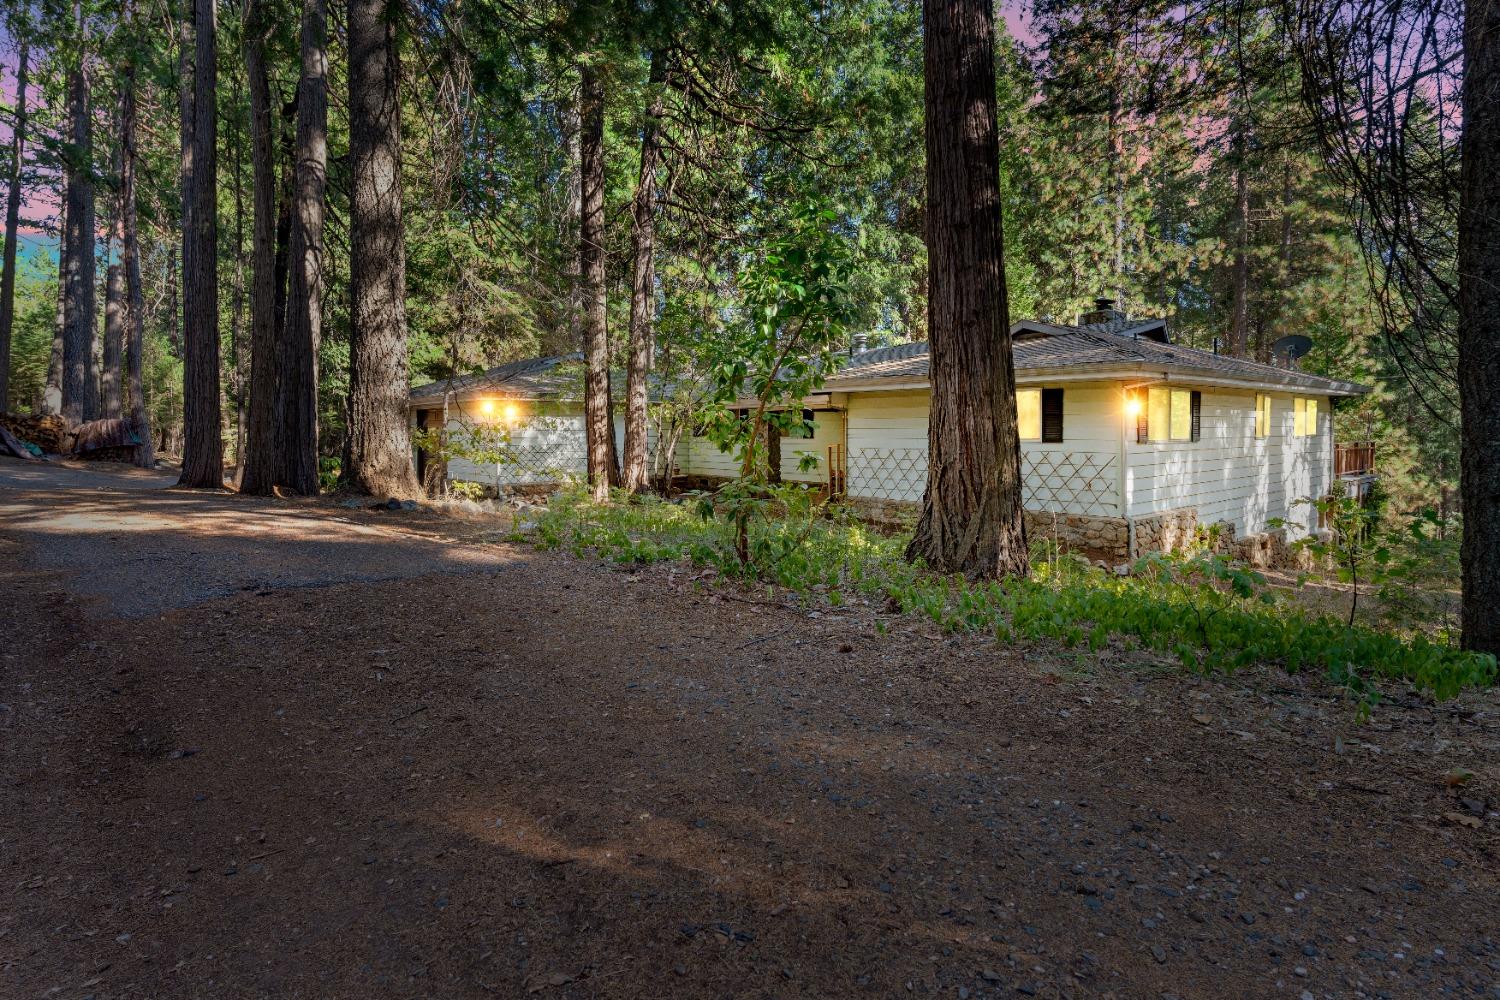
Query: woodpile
{"x": 48, "y": 432}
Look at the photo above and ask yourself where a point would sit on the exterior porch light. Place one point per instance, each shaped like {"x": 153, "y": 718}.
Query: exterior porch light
{"x": 487, "y": 407}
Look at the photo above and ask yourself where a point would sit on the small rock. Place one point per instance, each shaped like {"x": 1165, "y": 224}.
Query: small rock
{"x": 990, "y": 976}
{"x": 1159, "y": 953}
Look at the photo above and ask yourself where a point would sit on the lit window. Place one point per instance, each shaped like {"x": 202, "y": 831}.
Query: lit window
{"x": 1182, "y": 415}
{"x": 1029, "y": 414}
{"x": 1304, "y": 418}
{"x": 1262, "y": 416}
{"x": 1169, "y": 414}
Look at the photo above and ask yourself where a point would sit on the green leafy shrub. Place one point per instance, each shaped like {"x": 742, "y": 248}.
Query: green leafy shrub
{"x": 1202, "y": 610}
{"x": 328, "y": 473}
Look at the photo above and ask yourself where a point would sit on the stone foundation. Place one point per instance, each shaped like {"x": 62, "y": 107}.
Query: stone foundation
{"x": 1166, "y": 531}
{"x": 1093, "y": 536}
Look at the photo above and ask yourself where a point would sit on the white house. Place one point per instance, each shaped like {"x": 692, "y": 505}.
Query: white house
{"x": 1129, "y": 442}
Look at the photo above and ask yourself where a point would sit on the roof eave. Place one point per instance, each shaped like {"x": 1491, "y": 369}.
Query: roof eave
{"x": 1105, "y": 372}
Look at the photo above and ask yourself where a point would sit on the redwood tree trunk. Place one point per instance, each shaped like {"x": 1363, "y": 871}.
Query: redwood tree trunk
{"x": 1479, "y": 327}
{"x": 12, "y": 222}
{"x": 971, "y": 512}
{"x": 80, "y": 387}
{"x": 203, "y": 440}
{"x": 112, "y": 404}
{"x": 598, "y": 425}
{"x": 378, "y": 457}
{"x": 130, "y": 258}
{"x": 52, "y": 391}
{"x": 304, "y": 310}
{"x": 263, "y": 448}
{"x": 634, "y": 474}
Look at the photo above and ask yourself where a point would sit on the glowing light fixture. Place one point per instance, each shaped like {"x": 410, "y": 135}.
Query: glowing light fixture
{"x": 510, "y": 413}
{"x": 487, "y": 407}
{"x": 1133, "y": 407}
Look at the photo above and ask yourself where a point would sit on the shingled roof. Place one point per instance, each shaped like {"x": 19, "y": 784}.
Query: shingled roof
{"x": 533, "y": 378}
{"x": 1129, "y": 347}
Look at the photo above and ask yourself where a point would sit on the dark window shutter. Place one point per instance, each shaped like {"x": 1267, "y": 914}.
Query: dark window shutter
{"x": 1052, "y": 414}
{"x": 1197, "y": 415}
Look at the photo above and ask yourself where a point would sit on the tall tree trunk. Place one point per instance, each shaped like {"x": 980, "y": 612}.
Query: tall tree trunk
{"x": 112, "y": 370}
{"x": 378, "y": 457}
{"x": 12, "y": 222}
{"x": 598, "y": 422}
{"x": 264, "y": 448}
{"x": 112, "y": 404}
{"x": 203, "y": 438}
{"x": 287, "y": 156}
{"x": 304, "y": 312}
{"x": 1479, "y": 327}
{"x": 634, "y": 474}
{"x": 130, "y": 258}
{"x": 52, "y": 391}
{"x": 239, "y": 355}
{"x": 971, "y": 519}
{"x": 80, "y": 389}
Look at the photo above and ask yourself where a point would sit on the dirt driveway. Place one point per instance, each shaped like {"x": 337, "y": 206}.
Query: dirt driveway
{"x": 256, "y": 748}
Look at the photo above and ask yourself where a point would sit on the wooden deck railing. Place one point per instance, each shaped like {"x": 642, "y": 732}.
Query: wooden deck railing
{"x": 1354, "y": 459}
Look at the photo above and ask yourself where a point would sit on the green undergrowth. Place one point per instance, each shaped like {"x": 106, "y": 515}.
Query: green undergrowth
{"x": 1207, "y": 613}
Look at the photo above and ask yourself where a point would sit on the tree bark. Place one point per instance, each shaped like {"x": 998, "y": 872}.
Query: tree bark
{"x": 51, "y": 401}
{"x": 80, "y": 387}
{"x": 130, "y": 259}
{"x": 264, "y": 448}
{"x": 203, "y": 439}
{"x": 378, "y": 457}
{"x": 304, "y": 313}
{"x": 634, "y": 473}
{"x": 1479, "y": 327}
{"x": 12, "y": 223}
{"x": 598, "y": 424}
{"x": 239, "y": 354}
{"x": 971, "y": 519}
{"x": 112, "y": 404}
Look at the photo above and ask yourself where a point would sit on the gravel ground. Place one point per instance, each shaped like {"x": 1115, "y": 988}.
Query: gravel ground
{"x": 139, "y": 548}
{"x": 276, "y": 749}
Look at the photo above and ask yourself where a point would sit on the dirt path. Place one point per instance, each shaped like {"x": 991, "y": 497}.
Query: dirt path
{"x": 262, "y": 749}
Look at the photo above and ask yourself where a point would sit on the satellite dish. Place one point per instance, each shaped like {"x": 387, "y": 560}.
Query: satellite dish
{"x": 1291, "y": 347}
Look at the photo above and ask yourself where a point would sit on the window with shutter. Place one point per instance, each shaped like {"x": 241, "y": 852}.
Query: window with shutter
{"x": 1052, "y": 415}
{"x": 1170, "y": 415}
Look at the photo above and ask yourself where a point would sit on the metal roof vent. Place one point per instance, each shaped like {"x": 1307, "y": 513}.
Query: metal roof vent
{"x": 1104, "y": 311}
{"x": 859, "y": 344}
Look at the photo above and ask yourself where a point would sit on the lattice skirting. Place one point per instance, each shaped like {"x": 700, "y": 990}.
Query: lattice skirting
{"x": 1064, "y": 482}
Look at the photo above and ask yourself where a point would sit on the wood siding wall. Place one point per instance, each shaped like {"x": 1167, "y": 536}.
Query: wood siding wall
{"x": 1231, "y": 475}
{"x": 1228, "y": 474}
{"x": 698, "y": 456}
